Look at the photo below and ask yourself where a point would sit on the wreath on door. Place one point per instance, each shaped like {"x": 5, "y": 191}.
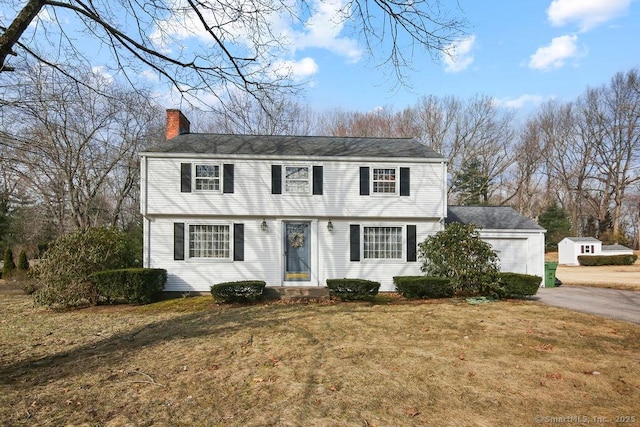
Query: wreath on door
{"x": 296, "y": 239}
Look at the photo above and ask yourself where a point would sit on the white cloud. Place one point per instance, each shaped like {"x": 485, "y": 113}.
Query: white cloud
{"x": 152, "y": 76}
{"x": 101, "y": 71}
{"x": 520, "y": 101}
{"x": 457, "y": 56}
{"x": 296, "y": 70}
{"x": 587, "y": 13}
{"x": 555, "y": 54}
{"x": 323, "y": 28}
{"x": 273, "y": 34}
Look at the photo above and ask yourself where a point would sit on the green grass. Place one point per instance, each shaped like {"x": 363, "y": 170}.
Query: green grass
{"x": 190, "y": 362}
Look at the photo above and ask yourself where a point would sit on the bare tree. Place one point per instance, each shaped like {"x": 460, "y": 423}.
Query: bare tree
{"x": 569, "y": 158}
{"x": 77, "y": 150}
{"x": 380, "y": 123}
{"x": 473, "y": 132}
{"x": 280, "y": 115}
{"x": 612, "y": 118}
{"x": 524, "y": 183}
{"x": 241, "y": 42}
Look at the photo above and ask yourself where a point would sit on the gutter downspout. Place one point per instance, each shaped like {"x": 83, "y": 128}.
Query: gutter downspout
{"x": 146, "y": 224}
{"x": 444, "y": 195}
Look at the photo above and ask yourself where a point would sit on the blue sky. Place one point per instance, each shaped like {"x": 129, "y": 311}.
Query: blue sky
{"x": 519, "y": 52}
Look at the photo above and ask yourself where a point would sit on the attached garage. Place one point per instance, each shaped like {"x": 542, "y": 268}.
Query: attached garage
{"x": 511, "y": 252}
{"x": 518, "y": 241}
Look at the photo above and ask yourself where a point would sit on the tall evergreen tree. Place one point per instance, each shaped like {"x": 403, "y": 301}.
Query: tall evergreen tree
{"x": 556, "y": 221}
{"x": 472, "y": 184}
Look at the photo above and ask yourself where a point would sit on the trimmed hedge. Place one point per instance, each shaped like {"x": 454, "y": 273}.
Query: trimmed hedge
{"x": 518, "y": 285}
{"x": 353, "y": 289}
{"x": 595, "y": 260}
{"x": 131, "y": 285}
{"x": 238, "y": 292}
{"x": 424, "y": 286}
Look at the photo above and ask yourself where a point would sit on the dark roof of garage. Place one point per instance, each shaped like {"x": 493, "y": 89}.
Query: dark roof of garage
{"x": 491, "y": 218}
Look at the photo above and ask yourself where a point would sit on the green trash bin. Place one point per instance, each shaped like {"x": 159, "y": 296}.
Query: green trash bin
{"x": 550, "y": 274}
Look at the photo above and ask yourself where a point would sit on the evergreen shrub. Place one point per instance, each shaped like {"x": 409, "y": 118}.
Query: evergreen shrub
{"x": 63, "y": 274}
{"x": 353, "y": 289}
{"x": 518, "y": 285}
{"x": 596, "y": 260}
{"x": 130, "y": 285}
{"x": 423, "y": 286}
{"x": 9, "y": 266}
{"x": 23, "y": 261}
{"x": 242, "y": 292}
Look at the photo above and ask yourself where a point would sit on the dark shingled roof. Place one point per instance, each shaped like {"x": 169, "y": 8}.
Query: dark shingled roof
{"x": 491, "y": 218}
{"x": 312, "y": 146}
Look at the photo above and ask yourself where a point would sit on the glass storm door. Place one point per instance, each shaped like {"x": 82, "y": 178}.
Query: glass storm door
{"x": 297, "y": 251}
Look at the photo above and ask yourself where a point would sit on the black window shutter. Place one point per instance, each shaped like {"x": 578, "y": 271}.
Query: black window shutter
{"x": 238, "y": 242}
{"x": 404, "y": 181}
{"x": 364, "y": 181}
{"x": 178, "y": 241}
{"x": 317, "y": 180}
{"x": 354, "y": 242}
{"x": 185, "y": 177}
{"x": 227, "y": 183}
{"x": 411, "y": 243}
{"x": 276, "y": 179}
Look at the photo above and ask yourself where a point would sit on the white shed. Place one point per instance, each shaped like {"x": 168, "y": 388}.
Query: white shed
{"x": 570, "y": 248}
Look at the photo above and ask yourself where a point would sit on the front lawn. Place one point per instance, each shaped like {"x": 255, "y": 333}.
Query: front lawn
{"x": 191, "y": 362}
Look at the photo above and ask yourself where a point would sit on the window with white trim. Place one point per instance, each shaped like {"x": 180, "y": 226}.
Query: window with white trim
{"x": 297, "y": 180}
{"x": 384, "y": 180}
{"x": 209, "y": 241}
{"x": 382, "y": 243}
{"x": 207, "y": 177}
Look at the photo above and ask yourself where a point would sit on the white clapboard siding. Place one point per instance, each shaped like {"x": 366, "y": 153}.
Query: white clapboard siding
{"x": 161, "y": 193}
{"x": 264, "y": 253}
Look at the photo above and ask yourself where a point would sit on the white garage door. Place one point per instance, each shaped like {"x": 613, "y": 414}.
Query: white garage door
{"x": 513, "y": 254}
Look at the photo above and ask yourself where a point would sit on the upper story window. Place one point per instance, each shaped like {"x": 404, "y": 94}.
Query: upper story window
{"x": 385, "y": 181}
{"x": 207, "y": 177}
{"x": 297, "y": 180}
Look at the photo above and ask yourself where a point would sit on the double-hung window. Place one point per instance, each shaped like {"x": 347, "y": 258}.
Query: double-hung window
{"x": 382, "y": 243}
{"x": 297, "y": 180}
{"x": 385, "y": 181}
{"x": 207, "y": 177}
{"x": 209, "y": 241}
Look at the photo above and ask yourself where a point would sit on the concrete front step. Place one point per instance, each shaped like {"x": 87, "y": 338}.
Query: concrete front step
{"x": 289, "y": 293}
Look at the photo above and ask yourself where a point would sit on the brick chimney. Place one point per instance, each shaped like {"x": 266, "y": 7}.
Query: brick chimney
{"x": 177, "y": 123}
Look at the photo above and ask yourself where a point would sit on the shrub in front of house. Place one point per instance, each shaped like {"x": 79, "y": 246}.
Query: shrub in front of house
{"x": 423, "y": 287}
{"x": 63, "y": 274}
{"x": 518, "y": 285}
{"x": 353, "y": 289}
{"x": 459, "y": 254}
{"x": 597, "y": 260}
{"x": 242, "y": 292}
{"x": 130, "y": 285}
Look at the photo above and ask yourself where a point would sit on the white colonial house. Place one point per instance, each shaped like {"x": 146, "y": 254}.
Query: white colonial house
{"x": 570, "y": 248}
{"x": 290, "y": 210}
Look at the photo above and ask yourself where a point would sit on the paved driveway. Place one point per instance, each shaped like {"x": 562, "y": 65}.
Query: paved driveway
{"x": 621, "y": 305}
